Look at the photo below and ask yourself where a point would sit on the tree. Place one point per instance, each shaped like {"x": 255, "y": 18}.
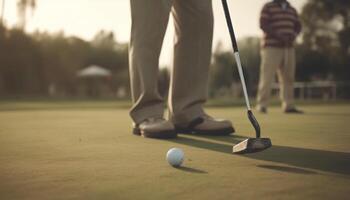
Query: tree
{"x": 22, "y": 7}
{"x": 327, "y": 30}
{"x": 21, "y": 68}
{"x": 33, "y": 64}
{"x": 2, "y": 12}
{"x": 223, "y": 71}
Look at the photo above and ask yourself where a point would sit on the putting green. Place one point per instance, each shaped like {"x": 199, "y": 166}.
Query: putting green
{"x": 64, "y": 153}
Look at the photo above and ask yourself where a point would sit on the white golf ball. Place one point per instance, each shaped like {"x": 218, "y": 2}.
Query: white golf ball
{"x": 175, "y": 157}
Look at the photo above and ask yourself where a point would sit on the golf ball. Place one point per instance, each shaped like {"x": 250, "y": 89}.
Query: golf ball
{"x": 175, "y": 157}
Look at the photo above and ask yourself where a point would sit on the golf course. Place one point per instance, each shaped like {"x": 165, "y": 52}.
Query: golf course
{"x": 77, "y": 150}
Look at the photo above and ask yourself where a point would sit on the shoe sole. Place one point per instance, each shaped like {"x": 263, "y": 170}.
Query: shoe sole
{"x": 158, "y": 135}
{"x": 293, "y": 112}
{"x": 217, "y": 132}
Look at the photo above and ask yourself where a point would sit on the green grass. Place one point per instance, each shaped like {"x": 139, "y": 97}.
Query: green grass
{"x": 74, "y": 151}
{"x": 111, "y": 103}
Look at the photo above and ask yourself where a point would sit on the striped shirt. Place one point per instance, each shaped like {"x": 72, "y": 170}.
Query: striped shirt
{"x": 276, "y": 20}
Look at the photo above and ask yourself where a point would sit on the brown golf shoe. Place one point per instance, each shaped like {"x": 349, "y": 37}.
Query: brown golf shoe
{"x": 206, "y": 125}
{"x": 293, "y": 111}
{"x": 158, "y": 128}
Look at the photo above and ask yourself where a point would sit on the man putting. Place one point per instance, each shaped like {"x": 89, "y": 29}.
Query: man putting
{"x": 281, "y": 25}
{"x": 193, "y": 21}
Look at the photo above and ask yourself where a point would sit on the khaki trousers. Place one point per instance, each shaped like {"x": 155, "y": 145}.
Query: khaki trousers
{"x": 193, "y": 20}
{"x": 282, "y": 61}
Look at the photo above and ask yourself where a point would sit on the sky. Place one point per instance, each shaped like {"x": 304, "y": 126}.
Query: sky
{"x": 84, "y": 18}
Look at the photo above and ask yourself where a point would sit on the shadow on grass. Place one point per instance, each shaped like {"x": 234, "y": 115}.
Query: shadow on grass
{"x": 328, "y": 114}
{"x": 191, "y": 170}
{"x": 287, "y": 169}
{"x": 328, "y": 161}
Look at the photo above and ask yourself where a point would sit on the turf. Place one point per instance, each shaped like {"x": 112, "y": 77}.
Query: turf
{"x": 66, "y": 153}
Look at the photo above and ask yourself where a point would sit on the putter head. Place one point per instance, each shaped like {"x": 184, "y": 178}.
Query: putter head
{"x": 252, "y": 145}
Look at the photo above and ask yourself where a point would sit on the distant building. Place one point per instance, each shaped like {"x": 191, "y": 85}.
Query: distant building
{"x": 95, "y": 81}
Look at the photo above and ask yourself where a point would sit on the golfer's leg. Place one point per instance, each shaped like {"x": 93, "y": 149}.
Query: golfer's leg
{"x": 271, "y": 58}
{"x": 286, "y": 76}
{"x": 192, "y": 54}
{"x": 149, "y": 22}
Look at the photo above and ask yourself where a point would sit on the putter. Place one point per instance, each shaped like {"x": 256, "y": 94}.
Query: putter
{"x": 250, "y": 145}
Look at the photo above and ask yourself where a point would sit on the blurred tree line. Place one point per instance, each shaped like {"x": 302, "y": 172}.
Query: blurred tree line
{"x": 326, "y": 40}
{"x": 31, "y": 63}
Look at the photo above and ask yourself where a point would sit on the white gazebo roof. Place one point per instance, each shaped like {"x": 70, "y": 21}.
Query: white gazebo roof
{"x": 94, "y": 71}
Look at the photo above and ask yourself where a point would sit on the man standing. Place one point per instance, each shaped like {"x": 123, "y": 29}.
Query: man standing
{"x": 193, "y": 21}
{"x": 281, "y": 25}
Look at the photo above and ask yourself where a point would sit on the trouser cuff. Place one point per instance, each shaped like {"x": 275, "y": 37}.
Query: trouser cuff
{"x": 187, "y": 116}
{"x": 140, "y": 115}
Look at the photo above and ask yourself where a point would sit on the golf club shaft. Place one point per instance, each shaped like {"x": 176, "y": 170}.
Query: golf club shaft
{"x": 241, "y": 75}
{"x": 236, "y": 52}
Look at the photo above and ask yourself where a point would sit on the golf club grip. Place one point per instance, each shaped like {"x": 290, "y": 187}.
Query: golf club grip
{"x": 229, "y": 25}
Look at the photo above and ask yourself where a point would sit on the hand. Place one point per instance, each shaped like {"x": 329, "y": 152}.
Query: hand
{"x": 287, "y": 40}
{"x": 293, "y": 38}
